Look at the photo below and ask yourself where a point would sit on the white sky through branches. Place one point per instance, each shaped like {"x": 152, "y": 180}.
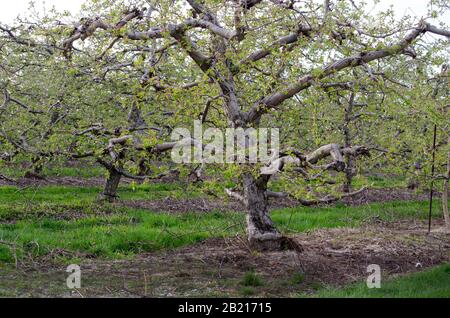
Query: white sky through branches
{"x": 10, "y": 9}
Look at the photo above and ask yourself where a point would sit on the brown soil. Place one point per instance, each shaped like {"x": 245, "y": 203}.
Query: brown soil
{"x": 200, "y": 205}
{"x": 72, "y": 181}
{"x": 382, "y": 195}
{"x": 36, "y": 181}
{"x": 171, "y": 205}
{"x": 57, "y": 181}
{"x": 217, "y": 266}
{"x": 208, "y": 205}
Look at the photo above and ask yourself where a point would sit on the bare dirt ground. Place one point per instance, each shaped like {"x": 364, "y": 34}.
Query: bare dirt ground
{"x": 67, "y": 181}
{"x": 386, "y": 194}
{"x": 216, "y": 267}
{"x": 57, "y": 181}
{"x": 207, "y": 204}
{"x": 37, "y": 181}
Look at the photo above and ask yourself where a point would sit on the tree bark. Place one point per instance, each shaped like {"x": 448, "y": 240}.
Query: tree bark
{"x": 35, "y": 171}
{"x": 261, "y": 231}
{"x": 348, "y": 174}
{"x": 112, "y": 183}
{"x": 347, "y": 143}
{"x": 445, "y": 193}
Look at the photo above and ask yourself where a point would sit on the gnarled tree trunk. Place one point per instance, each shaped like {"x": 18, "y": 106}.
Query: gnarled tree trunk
{"x": 112, "y": 183}
{"x": 35, "y": 171}
{"x": 261, "y": 231}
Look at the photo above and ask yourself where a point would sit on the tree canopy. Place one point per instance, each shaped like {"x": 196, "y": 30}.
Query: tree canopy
{"x": 347, "y": 88}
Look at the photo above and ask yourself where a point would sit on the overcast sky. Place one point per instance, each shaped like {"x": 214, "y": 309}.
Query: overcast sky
{"x": 9, "y": 9}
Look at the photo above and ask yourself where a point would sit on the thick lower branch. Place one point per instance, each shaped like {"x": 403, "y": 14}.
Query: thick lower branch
{"x": 332, "y": 150}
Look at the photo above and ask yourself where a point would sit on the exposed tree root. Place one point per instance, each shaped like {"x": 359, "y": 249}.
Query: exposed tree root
{"x": 278, "y": 243}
